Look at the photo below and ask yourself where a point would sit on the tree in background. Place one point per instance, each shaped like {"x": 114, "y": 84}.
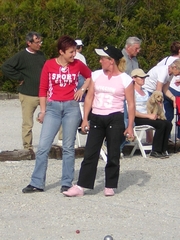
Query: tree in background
{"x": 96, "y": 22}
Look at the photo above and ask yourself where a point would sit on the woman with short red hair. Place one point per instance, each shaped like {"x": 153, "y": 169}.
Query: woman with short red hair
{"x": 59, "y": 78}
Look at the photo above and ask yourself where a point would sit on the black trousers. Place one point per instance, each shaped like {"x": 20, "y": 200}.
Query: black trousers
{"x": 161, "y": 135}
{"x": 112, "y": 128}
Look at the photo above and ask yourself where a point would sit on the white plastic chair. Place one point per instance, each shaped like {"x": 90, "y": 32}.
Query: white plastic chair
{"x": 81, "y": 106}
{"x": 139, "y": 132}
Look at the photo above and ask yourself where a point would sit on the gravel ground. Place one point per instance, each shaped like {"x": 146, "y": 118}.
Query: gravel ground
{"x": 11, "y": 122}
{"x": 146, "y": 205}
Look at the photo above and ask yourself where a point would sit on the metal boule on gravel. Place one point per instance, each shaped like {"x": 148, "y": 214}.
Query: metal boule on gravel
{"x": 108, "y": 237}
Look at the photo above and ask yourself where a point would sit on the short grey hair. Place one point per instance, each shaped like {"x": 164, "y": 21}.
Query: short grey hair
{"x": 30, "y": 35}
{"x": 132, "y": 41}
{"x": 176, "y": 64}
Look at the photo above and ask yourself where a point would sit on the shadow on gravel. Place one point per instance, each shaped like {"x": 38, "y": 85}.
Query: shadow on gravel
{"x": 52, "y": 185}
{"x": 99, "y": 181}
{"x": 129, "y": 178}
{"x": 126, "y": 179}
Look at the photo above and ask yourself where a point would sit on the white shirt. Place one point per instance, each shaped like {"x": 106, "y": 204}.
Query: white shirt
{"x": 168, "y": 61}
{"x": 141, "y": 101}
{"x": 157, "y": 73}
{"x": 80, "y": 57}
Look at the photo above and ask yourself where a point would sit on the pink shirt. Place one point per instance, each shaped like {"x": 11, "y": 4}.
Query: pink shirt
{"x": 109, "y": 93}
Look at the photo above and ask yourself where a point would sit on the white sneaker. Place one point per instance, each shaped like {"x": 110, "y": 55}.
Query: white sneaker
{"x": 122, "y": 155}
{"x": 59, "y": 143}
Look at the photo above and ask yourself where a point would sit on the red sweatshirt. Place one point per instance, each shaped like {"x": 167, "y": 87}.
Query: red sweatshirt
{"x": 61, "y": 82}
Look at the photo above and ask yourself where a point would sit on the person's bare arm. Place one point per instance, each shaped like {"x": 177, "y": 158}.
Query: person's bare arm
{"x": 146, "y": 115}
{"x": 159, "y": 86}
{"x": 78, "y": 95}
{"x": 129, "y": 95}
{"x": 42, "y": 109}
{"x": 88, "y": 105}
{"x": 168, "y": 93}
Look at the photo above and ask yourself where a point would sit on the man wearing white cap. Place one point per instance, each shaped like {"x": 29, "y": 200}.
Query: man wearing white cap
{"x": 79, "y": 50}
{"x": 82, "y": 59}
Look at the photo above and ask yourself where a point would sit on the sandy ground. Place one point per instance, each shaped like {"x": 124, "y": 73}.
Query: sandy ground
{"x": 146, "y": 205}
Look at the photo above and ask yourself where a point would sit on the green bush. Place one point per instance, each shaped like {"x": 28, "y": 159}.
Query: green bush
{"x": 10, "y": 86}
{"x": 96, "y": 22}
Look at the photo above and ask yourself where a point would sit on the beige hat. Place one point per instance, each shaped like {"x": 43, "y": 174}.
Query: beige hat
{"x": 138, "y": 72}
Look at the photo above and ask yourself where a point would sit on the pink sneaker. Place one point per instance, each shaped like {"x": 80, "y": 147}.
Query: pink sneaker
{"x": 108, "y": 192}
{"x": 74, "y": 191}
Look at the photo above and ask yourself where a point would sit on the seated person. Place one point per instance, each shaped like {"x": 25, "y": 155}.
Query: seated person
{"x": 162, "y": 127}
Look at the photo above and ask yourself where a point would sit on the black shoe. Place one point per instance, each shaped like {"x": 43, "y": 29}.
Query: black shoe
{"x": 31, "y": 189}
{"x": 64, "y": 188}
{"x": 155, "y": 154}
{"x": 165, "y": 154}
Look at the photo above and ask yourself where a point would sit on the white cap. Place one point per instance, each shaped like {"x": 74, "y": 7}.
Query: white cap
{"x": 100, "y": 52}
{"x": 79, "y": 42}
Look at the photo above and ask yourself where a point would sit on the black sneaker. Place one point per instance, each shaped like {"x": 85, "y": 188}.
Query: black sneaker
{"x": 155, "y": 154}
{"x": 31, "y": 189}
{"x": 64, "y": 188}
{"x": 165, "y": 154}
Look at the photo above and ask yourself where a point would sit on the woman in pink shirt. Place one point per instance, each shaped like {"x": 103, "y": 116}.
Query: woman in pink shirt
{"x": 59, "y": 79}
{"x": 107, "y": 91}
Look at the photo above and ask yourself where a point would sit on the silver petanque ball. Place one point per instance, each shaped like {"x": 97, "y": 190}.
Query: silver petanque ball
{"x": 108, "y": 237}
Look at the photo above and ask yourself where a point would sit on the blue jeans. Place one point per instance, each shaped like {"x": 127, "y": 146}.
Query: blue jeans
{"x": 68, "y": 114}
{"x": 81, "y": 80}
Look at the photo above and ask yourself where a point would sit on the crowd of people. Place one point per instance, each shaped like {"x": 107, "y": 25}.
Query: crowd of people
{"x": 116, "y": 98}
